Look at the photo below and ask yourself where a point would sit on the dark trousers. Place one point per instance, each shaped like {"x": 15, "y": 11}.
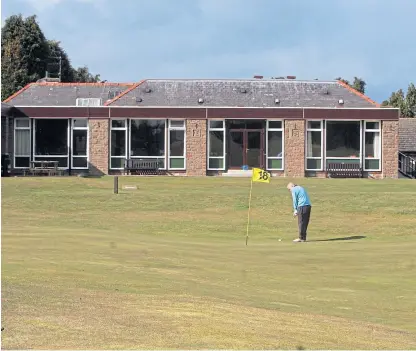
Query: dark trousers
{"x": 304, "y": 214}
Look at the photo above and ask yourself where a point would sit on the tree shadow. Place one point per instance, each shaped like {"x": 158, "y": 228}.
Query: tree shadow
{"x": 355, "y": 237}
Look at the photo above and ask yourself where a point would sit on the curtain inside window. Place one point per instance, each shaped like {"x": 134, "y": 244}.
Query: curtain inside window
{"x": 22, "y": 142}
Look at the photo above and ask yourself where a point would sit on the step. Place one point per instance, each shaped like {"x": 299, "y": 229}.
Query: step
{"x": 238, "y": 173}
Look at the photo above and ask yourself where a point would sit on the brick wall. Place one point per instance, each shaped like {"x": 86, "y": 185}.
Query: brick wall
{"x": 99, "y": 139}
{"x": 294, "y": 148}
{"x": 390, "y": 140}
{"x": 196, "y": 147}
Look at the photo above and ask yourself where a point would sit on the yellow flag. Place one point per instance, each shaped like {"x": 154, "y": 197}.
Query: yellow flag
{"x": 260, "y": 175}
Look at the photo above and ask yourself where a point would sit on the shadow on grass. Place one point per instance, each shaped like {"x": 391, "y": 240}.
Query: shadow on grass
{"x": 356, "y": 237}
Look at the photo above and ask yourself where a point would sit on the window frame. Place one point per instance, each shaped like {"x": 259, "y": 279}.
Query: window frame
{"x": 182, "y": 128}
{"x": 282, "y": 129}
{"x": 73, "y": 127}
{"x": 14, "y": 140}
{"x": 125, "y": 129}
{"x": 360, "y": 157}
{"x": 68, "y": 133}
{"x": 380, "y": 148}
{"x": 147, "y": 157}
{"x": 223, "y": 157}
{"x": 321, "y": 130}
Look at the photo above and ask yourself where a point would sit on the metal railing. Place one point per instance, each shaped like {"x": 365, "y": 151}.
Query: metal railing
{"x": 407, "y": 165}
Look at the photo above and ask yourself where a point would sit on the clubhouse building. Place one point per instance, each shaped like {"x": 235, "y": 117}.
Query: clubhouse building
{"x": 200, "y": 127}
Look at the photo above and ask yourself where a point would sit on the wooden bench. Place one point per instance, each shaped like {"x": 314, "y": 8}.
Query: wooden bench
{"x": 44, "y": 167}
{"x": 142, "y": 166}
{"x": 344, "y": 170}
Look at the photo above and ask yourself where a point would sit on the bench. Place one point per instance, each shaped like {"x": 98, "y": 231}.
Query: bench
{"x": 44, "y": 167}
{"x": 344, "y": 170}
{"x": 143, "y": 166}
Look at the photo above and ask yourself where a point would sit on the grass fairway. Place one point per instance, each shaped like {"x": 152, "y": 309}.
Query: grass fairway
{"x": 166, "y": 266}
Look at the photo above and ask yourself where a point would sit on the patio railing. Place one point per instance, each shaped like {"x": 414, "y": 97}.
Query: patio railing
{"x": 407, "y": 166}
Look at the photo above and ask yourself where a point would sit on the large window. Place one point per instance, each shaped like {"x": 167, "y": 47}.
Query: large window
{"x": 314, "y": 146}
{"x": 51, "y": 138}
{"x": 147, "y": 139}
{"x": 343, "y": 141}
{"x": 79, "y": 159}
{"x": 21, "y": 143}
{"x": 274, "y": 145}
{"x": 372, "y": 146}
{"x": 118, "y": 142}
{"x": 176, "y": 153}
{"x": 216, "y": 145}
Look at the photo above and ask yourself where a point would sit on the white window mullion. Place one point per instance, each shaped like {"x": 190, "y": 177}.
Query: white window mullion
{"x": 319, "y": 130}
{"x": 376, "y": 131}
{"x": 124, "y": 129}
{"x": 177, "y": 125}
{"x": 216, "y": 129}
{"x": 74, "y": 128}
{"x": 274, "y": 157}
{"x": 17, "y": 139}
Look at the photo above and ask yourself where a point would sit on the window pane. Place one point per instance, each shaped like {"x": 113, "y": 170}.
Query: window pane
{"x": 275, "y": 144}
{"x": 343, "y": 139}
{"x": 274, "y": 164}
{"x": 79, "y": 162}
{"x": 147, "y": 137}
{"x": 63, "y": 161}
{"x": 80, "y": 123}
{"x": 176, "y": 163}
{"x": 22, "y": 142}
{"x": 275, "y": 124}
{"x": 21, "y": 161}
{"x": 372, "y": 125}
{"x": 216, "y": 163}
{"x": 22, "y": 123}
{"x": 313, "y": 164}
{"x": 117, "y": 163}
{"x": 51, "y": 137}
{"x": 372, "y": 144}
{"x": 314, "y": 144}
{"x": 177, "y": 124}
{"x": 177, "y": 143}
{"x": 372, "y": 164}
{"x": 118, "y": 143}
{"x": 216, "y": 124}
{"x": 79, "y": 142}
{"x": 314, "y": 125}
{"x": 216, "y": 143}
{"x": 118, "y": 123}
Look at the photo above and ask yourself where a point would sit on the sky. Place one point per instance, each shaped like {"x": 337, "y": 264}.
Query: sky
{"x": 130, "y": 40}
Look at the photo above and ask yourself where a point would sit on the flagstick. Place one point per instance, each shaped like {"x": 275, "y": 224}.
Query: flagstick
{"x": 249, "y": 206}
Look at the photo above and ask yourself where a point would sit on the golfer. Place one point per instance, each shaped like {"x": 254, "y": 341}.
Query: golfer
{"x": 302, "y": 209}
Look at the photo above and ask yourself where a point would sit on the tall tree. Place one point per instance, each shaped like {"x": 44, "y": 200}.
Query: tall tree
{"x": 26, "y": 56}
{"x": 406, "y": 103}
{"x": 410, "y": 101}
{"x": 24, "y": 52}
{"x": 358, "y": 84}
{"x": 82, "y": 74}
{"x": 59, "y": 63}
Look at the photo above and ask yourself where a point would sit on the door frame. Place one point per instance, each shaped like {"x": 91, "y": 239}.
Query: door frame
{"x": 245, "y": 132}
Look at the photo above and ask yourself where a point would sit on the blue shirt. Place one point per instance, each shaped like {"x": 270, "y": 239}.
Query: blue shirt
{"x": 300, "y": 197}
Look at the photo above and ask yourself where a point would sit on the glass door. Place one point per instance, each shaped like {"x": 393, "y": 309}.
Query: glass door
{"x": 236, "y": 149}
{"x": 254, "y": 149}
